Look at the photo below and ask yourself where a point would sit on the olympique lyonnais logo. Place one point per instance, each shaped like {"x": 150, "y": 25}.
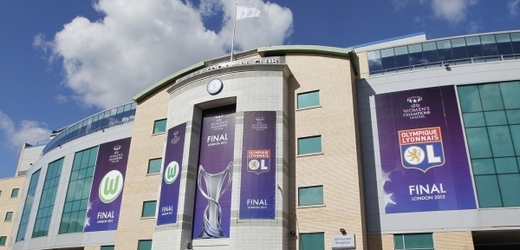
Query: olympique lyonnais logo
{"x": 421, "y": 148}
{"x": 258, "y": 160}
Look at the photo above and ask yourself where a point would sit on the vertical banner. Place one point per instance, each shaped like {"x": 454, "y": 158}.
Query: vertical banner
{"x": 258, "y": 180}
{"x": 171, "y": 169}
{"x": 423, "y": 155}
{"x": 107, "y": 186}
{"x": 213, "y": 194}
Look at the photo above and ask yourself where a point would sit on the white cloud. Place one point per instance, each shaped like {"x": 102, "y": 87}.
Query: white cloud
{"x": 27, "y": 132}
{"x": 137, "y": 43}
{"x": 61, "y": 99}
{"x": 513, "y": 7}
{"x": 451, "y": 10}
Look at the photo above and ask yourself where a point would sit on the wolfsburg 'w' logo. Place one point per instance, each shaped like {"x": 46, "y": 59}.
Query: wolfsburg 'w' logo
{"x": 171, "y": 172}
{"x": 110, "y": 186}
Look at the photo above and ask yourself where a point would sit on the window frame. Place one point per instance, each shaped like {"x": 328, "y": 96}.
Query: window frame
{"x": 307, "y": 93}
{"x": 403, "y": 242}
{"x": 143, "y": 209}
{"x": 302, "y": 236}
{"x": 13, "y": 195}
{"x": 312, "y": 205}
{"x": 149, "y": 164}
{"x": 155, "y": 130}
{"x": 8, "y": 214}
{"x": 144, "y": 241}
{"x": 3, "y": 240}
{"x": 107, "y": 247}
{"x": 301, "y": 139}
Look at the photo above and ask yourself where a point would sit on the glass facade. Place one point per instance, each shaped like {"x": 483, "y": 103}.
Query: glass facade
{"x": 154, "y": 165}
{"x": 309, "y": 145}
{"x": 312, "y": 241}
{"x": 491, "y": 114}
{"x": 159, "y": 126}
{"x": 108, "y": 118}
{"x": 309, "y": 196}
{"x": 413, "y": 241}
{"x": 149, "y": 209}
{"x": 50, "y": 187}
{"x": 308, "y": 99}
{"x": 26, "y": 212}
{"x": 144, "y": 245}
{"x": 462, "y": 50}
{"x": 78, "y": 191}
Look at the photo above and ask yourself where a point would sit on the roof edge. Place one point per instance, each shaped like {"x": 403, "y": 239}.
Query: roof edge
{"x": 262, "y": 51}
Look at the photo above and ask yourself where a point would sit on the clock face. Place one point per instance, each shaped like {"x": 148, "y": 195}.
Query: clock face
{"x": 214, "y": 86}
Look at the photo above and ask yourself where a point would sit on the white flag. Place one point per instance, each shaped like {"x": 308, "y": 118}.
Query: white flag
{"x": 247, "y": 12}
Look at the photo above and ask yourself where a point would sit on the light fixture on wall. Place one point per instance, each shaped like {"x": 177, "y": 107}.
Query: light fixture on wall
{"x": 447, "y": 66}
{"x": 188, "y": 245}
{"x": 342, "y": 230}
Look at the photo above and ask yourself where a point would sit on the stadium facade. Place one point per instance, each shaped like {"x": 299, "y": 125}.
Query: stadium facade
{"x": 406, "y": 143}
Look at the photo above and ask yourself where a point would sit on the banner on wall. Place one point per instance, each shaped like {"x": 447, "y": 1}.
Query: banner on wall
{"x": 171, "y": 169}
{"x": 107, "y": 186}
{"x": 258, "y": 173}
{"x": 423, "y": 156}
{"x": 213, "y": 194}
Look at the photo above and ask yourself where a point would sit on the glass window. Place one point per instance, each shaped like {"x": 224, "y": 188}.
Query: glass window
{"x": 26, "y": 212}
{"x": 495, "y": 117}
{"x": 415, "y": 55}
{"x": 401, "y": 56}
{"x": 387, "y": 58}
{"x": 8, "y": 216}
{"x": 107, "y": 247}
{"x": 489, "y": 46}
{"x": 504, "y": 44}
{"x": 506, "y": 165}
{"x": 76, "y": 198}
{"x": 159, "y": 126}
{"x": 14, "y": 192}
{"x": 490, "y": 96}
{"x": 478, "y": 143}
{"x": 309, "y": 145}
{"x": 515, "y": 134}
{"x": 509, "y": 91}
{"x": 374, "y": 61}
{"x": 154, "y": 165}
{"x": 473, "y": 46}
{"x": 422, "y": 241}
{"x": 50, "y": 186}
{"x": 474, "y": 119}
{"x": 308, "y": 99}
{"x": 314, "y": 241}
{"x": 513, "y": 116}
{"x": 3, "y": 240}
{"x": 515, "y": 42}
{"x": 483, "y": 166}
{"x": 444, "y": 50}
{"x": 149, "y": 209}
{"x": 144, "y": 245}
{"x": 309, "y": 196}
{"x": 469, "y": 99}
{"x": 509, "y": 186}
{"x": 501, "y": 143}
{"x": 0, "y": 192}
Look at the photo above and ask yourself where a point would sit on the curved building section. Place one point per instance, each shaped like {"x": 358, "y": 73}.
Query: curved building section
{"x": 73, "y": 191}
{"x": 440, "y": 135}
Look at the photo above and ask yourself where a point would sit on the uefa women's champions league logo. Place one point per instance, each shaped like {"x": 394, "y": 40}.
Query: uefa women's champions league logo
{"x": 110, "y": 186}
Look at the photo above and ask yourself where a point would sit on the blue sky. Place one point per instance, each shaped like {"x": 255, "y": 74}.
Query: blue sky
{"x": 63, "y": 60}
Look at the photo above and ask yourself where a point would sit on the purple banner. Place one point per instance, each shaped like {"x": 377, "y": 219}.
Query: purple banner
{"x": 213, "y": 194}
{"x": 258, "y": 181}
{"x": 107, "y": 186}
{"x": 172, "y": 166}
{"x": 423, "y": 154}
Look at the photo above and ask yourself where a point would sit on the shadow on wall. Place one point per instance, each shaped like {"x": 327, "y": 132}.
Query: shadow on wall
{"x": 373, "y": 218}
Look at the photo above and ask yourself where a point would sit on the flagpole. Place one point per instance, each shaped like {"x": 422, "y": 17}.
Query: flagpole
{"x": 233, "y": 38}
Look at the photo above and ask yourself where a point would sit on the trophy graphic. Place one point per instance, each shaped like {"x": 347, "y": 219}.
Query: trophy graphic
{"x": 216, "y": 185}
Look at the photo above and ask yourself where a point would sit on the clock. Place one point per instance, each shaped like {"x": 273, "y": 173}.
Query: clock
{"x": 214, "y": 86}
